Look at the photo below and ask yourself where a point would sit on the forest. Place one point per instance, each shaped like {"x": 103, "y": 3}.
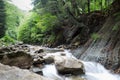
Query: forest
{"x": 39, "y": 26}
{"x": 70, "y": 37}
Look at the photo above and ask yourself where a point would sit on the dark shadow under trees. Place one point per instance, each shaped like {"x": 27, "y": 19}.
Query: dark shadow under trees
{"x": 2, "y": 18}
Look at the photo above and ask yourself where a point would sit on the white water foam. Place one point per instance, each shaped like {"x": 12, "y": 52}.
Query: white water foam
{"x": 51, "y": 72}
{"x": 93, "y": 71}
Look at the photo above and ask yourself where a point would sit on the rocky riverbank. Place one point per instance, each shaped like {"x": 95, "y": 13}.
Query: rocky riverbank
{"x": 14, "y": 73}
{"x": 42, "y": 63}
{"x": 35, "y": 59}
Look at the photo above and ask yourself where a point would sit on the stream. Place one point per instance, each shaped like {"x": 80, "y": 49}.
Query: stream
{"x": 93, "y": 70}
{"x": 54, "y": 64}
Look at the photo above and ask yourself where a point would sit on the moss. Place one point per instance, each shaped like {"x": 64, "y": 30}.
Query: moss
{"x": 116, "y": 27}
{"x": 95, "y": 36}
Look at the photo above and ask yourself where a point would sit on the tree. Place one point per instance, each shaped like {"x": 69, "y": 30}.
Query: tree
{"x": 2, "y": 18}
{"x": 13, "y": 17}
{"x": 88, "y": 6}
{"x": 10, "y": 17}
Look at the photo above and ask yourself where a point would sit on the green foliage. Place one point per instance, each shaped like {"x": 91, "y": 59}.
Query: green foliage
{"x": 24, "y": 30}
{"x": 95, "y": 36}
{"x": 99, "y": 4}
{"x": 13, "y": 17}
{"x": 47, "y": 22}
{"x": 10, "y": 17}
{"x": 51, "y": 39}
{"x": 34, "y": 27}
{"x": 24, "y": 33}
{"x": 6, "y": 40}
{"x": 40, "y": 25}
{"x": 117, "y": 20}
{"x": 116, "y": 26}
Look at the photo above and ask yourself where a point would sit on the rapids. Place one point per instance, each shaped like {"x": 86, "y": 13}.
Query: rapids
{"x": 93, "y": 71}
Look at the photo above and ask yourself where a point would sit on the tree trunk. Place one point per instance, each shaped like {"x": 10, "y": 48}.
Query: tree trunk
{"x": 101, "y": 4}
{"x": 2, "y": 18}
{"x": 88, "y": 6}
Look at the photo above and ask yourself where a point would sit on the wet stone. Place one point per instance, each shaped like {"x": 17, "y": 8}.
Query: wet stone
{"x": 37, "y": 70}
{"x": 4, "y": 49}
{"x": 49, "y": 60}
{"x": 66, "y": 65}
{"x": 38, "y": 62}
{"x": 39, "y": 51}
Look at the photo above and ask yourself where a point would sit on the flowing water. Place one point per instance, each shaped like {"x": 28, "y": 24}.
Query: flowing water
{"x": 51, "y": 72}
{"x": 93, "y": 71}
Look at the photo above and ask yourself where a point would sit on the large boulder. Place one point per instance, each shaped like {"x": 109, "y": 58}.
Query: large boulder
{"x": 66, "y": 65}
{"x": 4, "y": 49}
{"x": 13, "y": 73}
{"x": 19, "y": 58}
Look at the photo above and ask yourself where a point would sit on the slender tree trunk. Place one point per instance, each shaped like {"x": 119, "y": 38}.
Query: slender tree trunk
{"x": 88, "y": 6}
{"x": 101, "y": 4}
{"x": 108, "y": 2}
{"x": 2, "y": 18}
{"x": 95, "y": 4}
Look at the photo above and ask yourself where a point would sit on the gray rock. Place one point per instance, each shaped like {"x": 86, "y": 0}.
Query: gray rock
{"x": 49, "y": 60}
{"x": 4, "y": 49}
{"x": 13, "y": 73}
{"x": 19, "y": 58}
{"x": 37, "y": 70}
{"x": 67, "y": 65}
{"x": 38, "y": 62}
{"x": 39, "y": 51}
